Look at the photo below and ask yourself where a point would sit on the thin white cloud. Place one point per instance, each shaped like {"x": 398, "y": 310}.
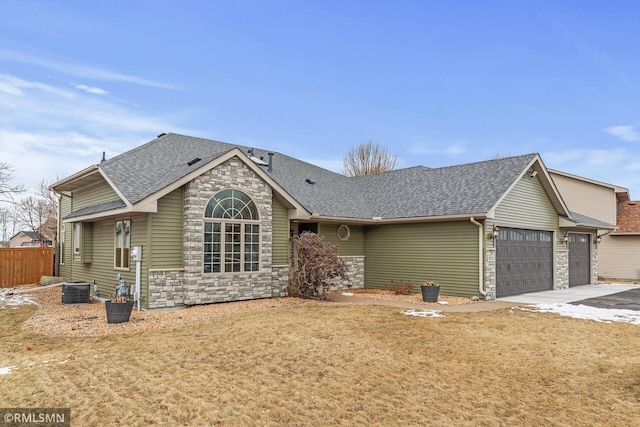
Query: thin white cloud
{"x": 12, "y": 85}
{"x": 74, "y": 68}
{"x": 93, "y": 90}
{"x": 48, "y": 131}
{"x": 626, "y": 133}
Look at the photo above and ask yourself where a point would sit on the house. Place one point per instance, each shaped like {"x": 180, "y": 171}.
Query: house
{"x": 211, "y": 222}
{"x": 28, "y": 239}
{"x": 619, "y": 249}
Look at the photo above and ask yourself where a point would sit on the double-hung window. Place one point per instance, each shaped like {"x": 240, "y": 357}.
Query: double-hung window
{"x": 122, "y": 243}
{"x": 231, "y": 233}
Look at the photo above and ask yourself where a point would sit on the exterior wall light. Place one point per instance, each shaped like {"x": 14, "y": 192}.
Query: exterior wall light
{"x": 495, "y": 232}
{"x": 565, "y": 238}
{"x": 597, "y": 240}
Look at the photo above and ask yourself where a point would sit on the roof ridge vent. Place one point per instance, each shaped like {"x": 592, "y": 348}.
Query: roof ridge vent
{"x": 194, "y": 161}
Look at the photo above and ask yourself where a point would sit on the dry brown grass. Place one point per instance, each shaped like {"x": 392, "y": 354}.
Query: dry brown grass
{"x": 333, "y": 364}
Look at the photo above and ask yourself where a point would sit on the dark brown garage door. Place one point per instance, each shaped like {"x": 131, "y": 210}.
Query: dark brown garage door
{"x": 524, "y": 261}
{"x": 579, "y": 259}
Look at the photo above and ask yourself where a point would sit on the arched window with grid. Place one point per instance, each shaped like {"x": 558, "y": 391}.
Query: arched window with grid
{"x": 231, "y": 233}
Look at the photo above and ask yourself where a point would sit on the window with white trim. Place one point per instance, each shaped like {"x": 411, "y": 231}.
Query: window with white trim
{"x": 122, "y": 243}
{"x": 231, "y": 233}
{"x": 76, "y": 237}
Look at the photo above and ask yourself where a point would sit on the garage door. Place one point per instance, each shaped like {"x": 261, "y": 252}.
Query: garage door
{"x": 579, "y": 259}
{"x": 524, "y": 261}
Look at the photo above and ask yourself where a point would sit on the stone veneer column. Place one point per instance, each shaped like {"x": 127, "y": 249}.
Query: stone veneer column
{"x": 490, "y": 273}
{"x": 205, "y": 288}
{"x": 562, "y": 269}
{"x": 594, "y": 264}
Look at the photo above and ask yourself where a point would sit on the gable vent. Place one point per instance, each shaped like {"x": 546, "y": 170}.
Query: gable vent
{"x": 194, "y": 161}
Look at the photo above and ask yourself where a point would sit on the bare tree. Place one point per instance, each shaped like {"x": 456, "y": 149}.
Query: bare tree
{"x": 7, "y": 224}
{"x": 8, "y": 191}
{"x": 39, "y": 213}
{"x": 368, "y": 158}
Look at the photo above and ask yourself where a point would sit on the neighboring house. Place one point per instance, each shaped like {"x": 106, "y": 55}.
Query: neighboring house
{"x": 213, "y": 222}
{"x": 28, "y": 239}
{"x": 619, "y": 250}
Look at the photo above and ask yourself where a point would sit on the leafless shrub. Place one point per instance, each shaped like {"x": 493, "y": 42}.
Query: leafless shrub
{"x": 401, "y": 287}
{"x": 315, "y": 263}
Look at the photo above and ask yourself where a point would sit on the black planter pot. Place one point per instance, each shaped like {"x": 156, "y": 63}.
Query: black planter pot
{"x": 430, "y": 293}
{"x": 118, "y": 312}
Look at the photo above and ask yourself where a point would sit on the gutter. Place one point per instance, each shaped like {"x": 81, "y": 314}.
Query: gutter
{"x": 480, "y": 258}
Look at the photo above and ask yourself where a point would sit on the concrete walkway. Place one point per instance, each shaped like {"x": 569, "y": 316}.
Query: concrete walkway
{"x": 577, "y": 293}
{"x": 460, "y": 308}
{"x": 573, "y": 294}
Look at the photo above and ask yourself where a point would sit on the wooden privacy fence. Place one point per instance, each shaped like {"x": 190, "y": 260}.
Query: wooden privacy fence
{"x": 21, "y": 266}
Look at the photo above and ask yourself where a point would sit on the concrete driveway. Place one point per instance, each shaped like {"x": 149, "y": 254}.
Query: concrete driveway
{"x": 602, "y": 296}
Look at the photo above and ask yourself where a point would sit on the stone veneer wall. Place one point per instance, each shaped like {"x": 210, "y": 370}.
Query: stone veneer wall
{"x": 355, "y": 274}
{"x": 165, "y": 288}
{"x": 202, "y": 288}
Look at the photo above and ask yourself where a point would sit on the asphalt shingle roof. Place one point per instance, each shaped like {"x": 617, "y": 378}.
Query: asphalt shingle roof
{"x": 412, "y": 192}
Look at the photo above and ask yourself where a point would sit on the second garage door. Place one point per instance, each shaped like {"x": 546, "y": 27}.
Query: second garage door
{"x": 524, "y": 261}
{"x": 579, "y": 259}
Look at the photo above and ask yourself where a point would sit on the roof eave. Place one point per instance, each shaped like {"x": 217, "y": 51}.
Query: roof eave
{"x": 77, "y": 180}
{"x": 380, "y": 220}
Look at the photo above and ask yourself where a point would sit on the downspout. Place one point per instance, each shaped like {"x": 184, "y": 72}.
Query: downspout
{"x": 480, "y": 257}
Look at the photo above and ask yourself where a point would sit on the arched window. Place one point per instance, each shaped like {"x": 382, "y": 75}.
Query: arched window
{"x": 231, "y": 233}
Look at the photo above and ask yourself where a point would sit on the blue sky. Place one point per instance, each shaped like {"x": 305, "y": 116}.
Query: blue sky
{"x": 438, "y": 82}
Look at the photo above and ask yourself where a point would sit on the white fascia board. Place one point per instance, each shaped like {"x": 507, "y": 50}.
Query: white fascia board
{"x": 380, "y": 220}
{"x": 75, "y": 177}
{"x": 99, "y": 215}
{"x": 115, "y": 188}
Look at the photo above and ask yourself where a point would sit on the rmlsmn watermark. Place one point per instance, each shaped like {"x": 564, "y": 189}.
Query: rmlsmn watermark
{"x": 41, "y": 417}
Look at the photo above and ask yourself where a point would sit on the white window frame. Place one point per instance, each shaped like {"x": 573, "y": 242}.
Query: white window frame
{"x": 249, "y": 231}
{"x": 121, "y": 259}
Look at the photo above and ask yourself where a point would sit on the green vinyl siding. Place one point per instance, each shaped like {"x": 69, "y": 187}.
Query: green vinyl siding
{"x": 280, "y": 238}
{"x": 351, "y": 247}
{"x": 102, "y": 268}
{"x": 526, "y": 206}
{"x": 446, "y": 252}
{"x": 86, "y": 245}
{"x": 93, "y": 195}
{"x": 167, "y": 231}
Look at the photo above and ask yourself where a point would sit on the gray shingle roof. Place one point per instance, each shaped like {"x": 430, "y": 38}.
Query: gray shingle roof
{"x": 102, "y": 207}
{"x": 586, "y": 220}
{"x": 412, "y": 192}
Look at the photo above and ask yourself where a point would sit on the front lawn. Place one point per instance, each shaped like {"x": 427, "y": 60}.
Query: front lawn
{"x": 332, "y": 364}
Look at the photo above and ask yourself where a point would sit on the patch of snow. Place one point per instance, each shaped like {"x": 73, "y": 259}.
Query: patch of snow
{"x": 347, "y": 294}
{"x": 422, "y": 313}
{"x": 63, "y": 362}
{"x": 586, "y": 312}
{"x": 6, "y": 299}
{"x": 443, "y": 302}
{"x": 6, "y": 370}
